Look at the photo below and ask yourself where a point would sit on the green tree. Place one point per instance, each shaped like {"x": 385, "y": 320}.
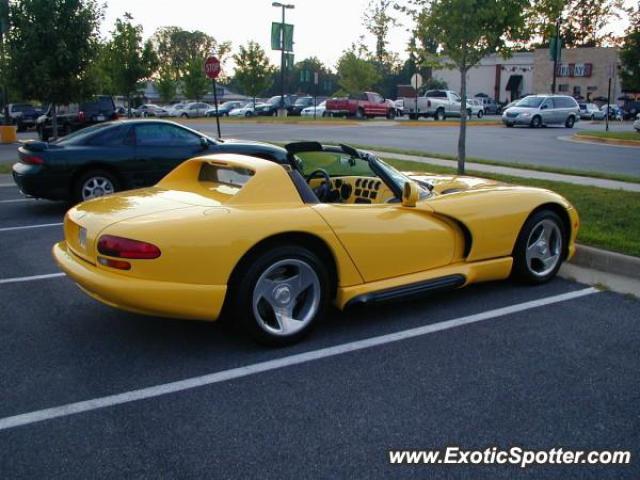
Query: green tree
{"x": 50, "y": 45}
{"x": 355, "y": 73}
{"x": 587, "y": 23}
{"x": 253, "y": 72}
{"x": 630, "y": 54}
{"x": 467, "y": 31}
{"x": 378, "y": 21}
{"x": 195, "y": 84}
{"x": 129, "y": 61}
{"x": 166, "y": 84}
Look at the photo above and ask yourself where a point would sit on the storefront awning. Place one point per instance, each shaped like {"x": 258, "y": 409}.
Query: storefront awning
{"x": 513, "y": 83}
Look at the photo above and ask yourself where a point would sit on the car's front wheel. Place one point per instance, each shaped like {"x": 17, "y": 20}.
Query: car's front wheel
{"x": 536, "y": 122}
{"x": 570, "y": 122}
{"x": 539, "y": 249}
{"x": 480, "y": 114}
{"x": 281, "y": 294}
{"x": 93, "y": 184}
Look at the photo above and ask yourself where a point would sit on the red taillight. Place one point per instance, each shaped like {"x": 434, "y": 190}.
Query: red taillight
{"x": 126, "y": 248}
{"x": 32, "y": 160}
{"x": 81, "y": 116}
{"x": 110, "y": 262}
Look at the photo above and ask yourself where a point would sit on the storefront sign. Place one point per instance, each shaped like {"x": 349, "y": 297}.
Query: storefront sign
{"x": 574, "y": 69}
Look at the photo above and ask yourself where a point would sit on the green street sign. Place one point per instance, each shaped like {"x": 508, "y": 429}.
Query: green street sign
{"x": 288, "y": 61}
{"x": 276, "y": 36}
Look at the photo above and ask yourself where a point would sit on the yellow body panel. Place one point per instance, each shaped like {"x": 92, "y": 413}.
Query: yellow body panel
{"x": 204, "y": 228}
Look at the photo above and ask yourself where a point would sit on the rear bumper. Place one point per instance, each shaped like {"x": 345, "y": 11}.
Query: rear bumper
{"x": 35, "y": 181}
{"x": 148, "y": 297}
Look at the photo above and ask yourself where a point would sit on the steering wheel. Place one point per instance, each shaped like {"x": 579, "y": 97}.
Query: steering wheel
{"x": 324, "y": 190}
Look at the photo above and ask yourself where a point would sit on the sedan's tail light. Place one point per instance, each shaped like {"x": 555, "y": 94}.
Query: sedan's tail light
{"x": 31, "y": 160}
{"x": 82, "y": 117}
{"x": 126, "y": 248}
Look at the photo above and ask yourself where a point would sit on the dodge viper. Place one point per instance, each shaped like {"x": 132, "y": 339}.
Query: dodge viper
{"x": 271, "y": 245}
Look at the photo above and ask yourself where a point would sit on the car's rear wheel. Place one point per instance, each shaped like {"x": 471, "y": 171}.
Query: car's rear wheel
{"x": 536, "y": 122}
{"x": 391, "y": 115}
{"x": 360, "y": 114}
{"x": 93, "y": 184}
{"x": 480, "y": 114}
{"x": 281, "y": 294}
{"x": 539, "y": 249}
{"x": 440, "y": 114}
{"x": 570, "y": 122}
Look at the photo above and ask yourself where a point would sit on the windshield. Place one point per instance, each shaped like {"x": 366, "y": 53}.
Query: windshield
{"x": 530, "y": 102}
{"x": 303, "y": 101}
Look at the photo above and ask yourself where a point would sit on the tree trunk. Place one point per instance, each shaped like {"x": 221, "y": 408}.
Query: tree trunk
{"x": 54, "y": 122}
{"x": 128, "y": 106}
{"x": 462, "y": 137}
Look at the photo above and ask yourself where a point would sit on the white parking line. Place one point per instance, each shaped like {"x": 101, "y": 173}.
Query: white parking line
{"x": 27, "y": 227}
{"x": 30, "y": 279}
{"x": 16, "y": 200}
{"x": 218, "y": 377}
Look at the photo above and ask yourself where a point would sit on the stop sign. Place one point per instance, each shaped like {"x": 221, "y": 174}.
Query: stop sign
{"x": 212, "y": 67}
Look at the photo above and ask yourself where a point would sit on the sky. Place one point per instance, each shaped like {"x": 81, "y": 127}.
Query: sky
{"x": 322, "y": 28}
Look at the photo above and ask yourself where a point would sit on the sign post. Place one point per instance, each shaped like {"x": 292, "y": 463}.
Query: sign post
{"x": 315, "y": 98}
{"x": 212, "y": 70}
{"x": 416, "y": 83}
{"x": 610, "y": 72}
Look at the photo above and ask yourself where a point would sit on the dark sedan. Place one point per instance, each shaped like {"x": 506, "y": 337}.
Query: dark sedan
{"x": 117, "y": 156}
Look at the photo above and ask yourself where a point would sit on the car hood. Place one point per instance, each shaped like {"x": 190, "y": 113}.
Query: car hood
{"x": 520, "y": 110}
{"x": 443, "y": 184}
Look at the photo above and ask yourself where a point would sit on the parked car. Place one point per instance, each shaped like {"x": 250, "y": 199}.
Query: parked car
{"x": 150, "y": 110}
{"x": 248, "y": 110}
{"x": 438, "y": 104}
{"x": 475, "y": 107}
{"x": 23, "y": 115}
{"x": 631, "y": 108}
{"x": 117, "y": 156}
{"x": 300, "y": 104}
{"x": 363, "y": 105}
{"x": 278, "y": 246}
{"x": 176, "y": 109}
{"x": 636, "y": 124}
{"x": 76, "y": 116}
{"x": 590, "y": 111}
{"x": 320, "y": 110}
{"x": 194, "y": 110}
{"x": 270, "y": 107}
{"x": 538, "y": 110}
{"x": 490, "y": 105}
{"x": 613, "y": 111}
{"x": 224, "y": 109}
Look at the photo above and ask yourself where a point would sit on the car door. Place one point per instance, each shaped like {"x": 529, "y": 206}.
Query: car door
{"x": 384, "y": 239}
{"x": 163, "y": 146}
{"x": 547, "y": 112}
{"x": 453, "y": 105}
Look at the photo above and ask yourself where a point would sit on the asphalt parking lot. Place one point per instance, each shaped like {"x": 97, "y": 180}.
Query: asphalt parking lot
{"x": 491, "y": 365}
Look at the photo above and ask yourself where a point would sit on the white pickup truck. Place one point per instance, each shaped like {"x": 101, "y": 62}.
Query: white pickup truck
{"x": 438, "y": 104}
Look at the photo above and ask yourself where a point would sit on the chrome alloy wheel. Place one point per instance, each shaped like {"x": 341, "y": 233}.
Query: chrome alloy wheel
{"x": 96, "y": 187}
{"x": 544, "y": 248}
{"x": 286, "y": 297}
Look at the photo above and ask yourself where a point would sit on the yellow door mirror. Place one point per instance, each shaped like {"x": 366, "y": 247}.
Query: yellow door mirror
{"x": 410, "y": 194}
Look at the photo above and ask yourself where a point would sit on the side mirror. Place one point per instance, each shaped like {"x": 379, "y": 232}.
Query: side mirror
{"x": 204, "y": 143}
{"x": 410, "y": 194}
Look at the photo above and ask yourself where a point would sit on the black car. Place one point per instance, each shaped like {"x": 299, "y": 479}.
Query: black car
{"x": 271, "y": 106}
{"x": 224, "y": 108}
{"x": 118, "y": 156}
{"x": 76, "y": 116}
{"x": 300, "y": 104}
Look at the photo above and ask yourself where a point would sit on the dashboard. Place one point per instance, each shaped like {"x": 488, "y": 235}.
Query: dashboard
{"x": 364, "y": 190}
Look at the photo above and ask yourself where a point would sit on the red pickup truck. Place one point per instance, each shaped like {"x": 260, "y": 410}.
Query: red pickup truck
{"x": 364, "y": 105}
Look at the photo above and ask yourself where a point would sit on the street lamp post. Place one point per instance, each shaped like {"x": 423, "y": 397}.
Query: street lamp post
{"x": 282, "y": 65}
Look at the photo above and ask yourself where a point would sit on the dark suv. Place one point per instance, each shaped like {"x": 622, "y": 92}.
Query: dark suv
{"x": 76, "y": 116}
{"x": 271, "y": 106}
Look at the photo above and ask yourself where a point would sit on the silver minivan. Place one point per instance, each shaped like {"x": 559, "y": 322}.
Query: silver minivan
{"x": 538, "y": 110}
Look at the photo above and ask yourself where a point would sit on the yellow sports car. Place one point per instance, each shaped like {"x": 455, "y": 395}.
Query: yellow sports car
{"x": 270, "y": 244}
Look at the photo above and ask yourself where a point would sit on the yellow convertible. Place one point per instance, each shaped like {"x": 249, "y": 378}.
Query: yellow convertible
{"x": 270, "y": 245}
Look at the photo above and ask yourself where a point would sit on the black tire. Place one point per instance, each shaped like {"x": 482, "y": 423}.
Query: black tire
{"x": 440, "y": 115}
{"x": 77, "y": 193}
{"x": 360, "y": 114}
{"x": 246, "y": 278}
{"x": 522, "y": 271}
{"x": 570, "y": 122}
{"x": 480, "y": 114}
{"x": 247, "y": 114}
{"x": 593, "y": 117}
{"x": 536, "y": 122}
{"x": 42, "y": 134}
{"x": 391, "y": 114}
{"x": 184, "y": 115}
{"x": 509, "y": 125}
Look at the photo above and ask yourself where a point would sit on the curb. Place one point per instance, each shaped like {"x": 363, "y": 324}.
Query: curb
{"x": 609, "y": 141}
{"x": 608, "y": 262}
